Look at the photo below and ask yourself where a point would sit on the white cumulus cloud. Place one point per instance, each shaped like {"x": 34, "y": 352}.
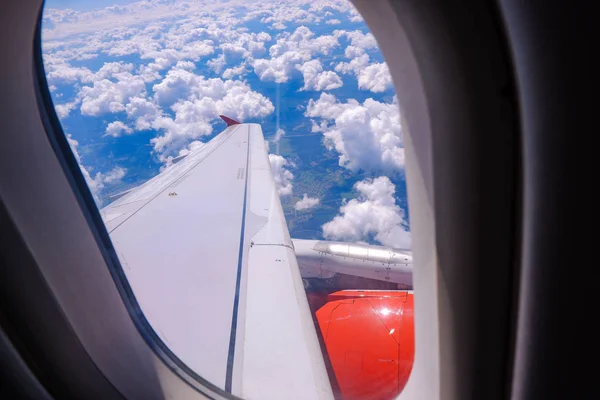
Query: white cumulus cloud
{"x": 317, "y": 79}
{"x": 367, "y": 135}
{"x": 279, "y": 26}
{"x": 353, "y": 52}
{"x": 117, "y": 128}
{"x": 277, "y": 69}
{"x": 376, "y": 78}
{"x": 114, "y": 175}
{"x": 356, "y": 65}
{"x": 143, "y": 112}
{"x": 64, "y": 73}
{"x": 306, "y": 203}
{"x": 236, "y": 48}
{"x": 374, "y": 213}
{"x": 276, "y": 15}
{"x": 370, "y": 76}
{"x": 196, "y": 101}
{"x": 194, "y": 50}
{"x": 218, "y": 63}
{"x": 235, "y": 72}
{"x": 283, "y": 177}
{"x": 107, "y": 96}
{"x": 63, "y": 110}
{"x": 355, "y": 15}
{"x": 292, "y": 49}
{"x": 359, "y": 39}
{"x": 110, "y": 70}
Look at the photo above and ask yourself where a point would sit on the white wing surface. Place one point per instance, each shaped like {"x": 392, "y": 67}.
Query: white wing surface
{"x": 207, "y": 252}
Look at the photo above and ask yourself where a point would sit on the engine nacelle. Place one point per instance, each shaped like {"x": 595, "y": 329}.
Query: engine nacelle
{"x": 370, "y": 341}
{"x": 323, "y": 259}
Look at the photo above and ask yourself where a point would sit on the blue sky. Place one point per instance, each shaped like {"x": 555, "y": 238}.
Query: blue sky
{"x": 138, "y": 83}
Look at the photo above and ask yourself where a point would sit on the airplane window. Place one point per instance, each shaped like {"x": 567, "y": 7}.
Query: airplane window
{"x": 154, "y": 97}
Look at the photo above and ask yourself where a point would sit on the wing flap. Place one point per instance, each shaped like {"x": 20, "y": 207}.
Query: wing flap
{"x": 279, "y": 328}
{"x": 280, "y": 342}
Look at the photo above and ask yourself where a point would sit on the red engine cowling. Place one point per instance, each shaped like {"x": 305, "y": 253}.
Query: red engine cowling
{"x": 370, "y": 340}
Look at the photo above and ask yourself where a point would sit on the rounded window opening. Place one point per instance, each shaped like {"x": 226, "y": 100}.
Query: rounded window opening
{"x": 153, "y": 97}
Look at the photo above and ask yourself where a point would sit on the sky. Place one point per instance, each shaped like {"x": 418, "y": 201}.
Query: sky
{"x": 136, "y": 84}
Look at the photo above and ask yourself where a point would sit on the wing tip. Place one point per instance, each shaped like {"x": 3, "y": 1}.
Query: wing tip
{"x": 229, "y": 121}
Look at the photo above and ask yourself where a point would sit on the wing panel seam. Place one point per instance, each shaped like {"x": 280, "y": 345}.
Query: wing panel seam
{"x": 236, "y": 301}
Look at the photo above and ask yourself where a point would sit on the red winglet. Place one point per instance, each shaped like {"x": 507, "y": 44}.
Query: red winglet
{"x": 229, "y": 121}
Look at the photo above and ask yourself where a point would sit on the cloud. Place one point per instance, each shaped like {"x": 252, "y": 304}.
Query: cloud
{"x": 278, "y": 135}
{"x": 273, "y": 13}
{"x": 137, "y": 41}
{"x": 234, "y": 51}
{"x": 374, "y": 213}
{"x": 367, "y": 135}
{"x": 277, "y": 69}
{"x": 63, "y": 110}
{"x": 290, "y": 50}
{"x": 117, "y": 128}
{"x": 240, "y": 45}
{"x": 112, "y": 70}
{"x": 333, "y": 21}
{"x": 191, "y": 51}
{"x": 231, "y": 97}
{"x": 143, "y": 112}
{"x": 60, "y": 72}
{"x": 66, "y": 23}
{"x": 149, "y": 73}
{"x": 217, "y": 64}
{"x": 306, "y": 203}
{"x": 317, "y": 79}
{"x": 196, "y": 101}
{"x": 341, "y": 6}
{"x": 187, "y": 65}
{"x": 107, "y": 96}
{"x": 178, "y": 84}
{"x": 359, "y": 39}
{"x": 356, "y": 65}
{"x": 235, "y": 72}
{"x": 114, "y": 175}
{"x": 374, "y": 77}
{"x": 236, "y": 47}
{"x": 279, "y": 26}
{"x": 283, "y": 177}
{"x": 353, "y": 51}
{"x": 355, "y": 16}
{"x": 192, "y": 120}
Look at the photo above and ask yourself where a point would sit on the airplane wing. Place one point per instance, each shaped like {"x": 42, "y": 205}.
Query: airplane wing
{"x": 206, "y": 250}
